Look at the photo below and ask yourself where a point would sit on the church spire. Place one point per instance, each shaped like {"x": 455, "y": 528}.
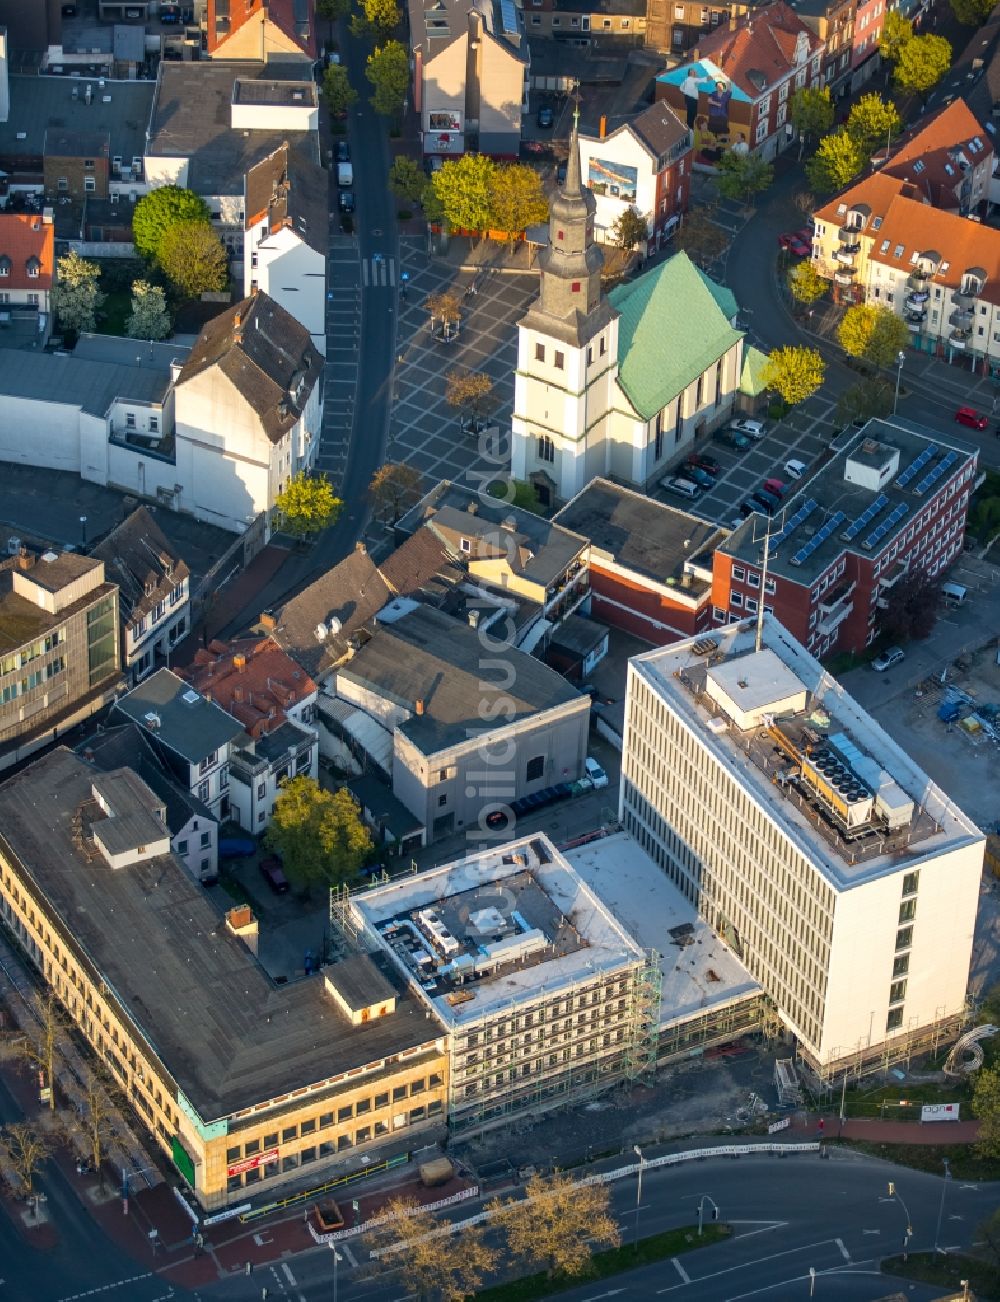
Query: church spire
{"x": 573, "y": 185}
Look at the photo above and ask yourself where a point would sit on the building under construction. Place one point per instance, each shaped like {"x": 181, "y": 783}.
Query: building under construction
{"x": 545, "y": 996}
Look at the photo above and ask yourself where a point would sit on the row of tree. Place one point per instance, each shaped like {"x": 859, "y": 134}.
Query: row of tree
{"x": 474, "y": 193}
{"x": 554, "y": 1229}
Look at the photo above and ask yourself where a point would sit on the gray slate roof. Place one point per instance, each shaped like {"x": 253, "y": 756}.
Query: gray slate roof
{"x": 294, "y": 193}
{"x": 189, "y": 725}
{"x": 139, "y": 559}
{"x": 191, "y": 119}
{"x": 228, "y": 1036}
{"x": 79, "y": 381}
{"x": 40, "y": 104}
{"x": 267, "y": 355}
{"x": 426, "y": 655}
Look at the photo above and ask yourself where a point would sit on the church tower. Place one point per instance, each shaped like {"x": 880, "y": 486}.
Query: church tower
{"x": 567, "y": 354}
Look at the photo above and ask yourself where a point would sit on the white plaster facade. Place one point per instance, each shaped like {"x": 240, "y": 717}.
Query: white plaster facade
{"x": 292, "y": 272}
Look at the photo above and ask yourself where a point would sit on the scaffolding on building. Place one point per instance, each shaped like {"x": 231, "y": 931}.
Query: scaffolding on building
{"x": 712, "y": 1027}
{"x": 873, "y": 1059}
{"x": 345, "y": 932}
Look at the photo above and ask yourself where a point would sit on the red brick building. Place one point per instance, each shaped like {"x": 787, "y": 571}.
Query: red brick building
{"x": 650, "y": 564}
{"x": 895, "y": 498}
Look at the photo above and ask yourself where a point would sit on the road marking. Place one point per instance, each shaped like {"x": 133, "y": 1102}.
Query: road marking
{"x": 106, "y": 1288}
{"x": 288, "y": 1273}
{"x": 764, "y": 1229}
{"x": 610, "y": 1293}
{"x": 349, "y": 1255}
{"x": 757, "y": 1261}
{"x": 680, "y": 1270}
{"x": 843, "y": 1251}
{"x": 871, "y": 1231}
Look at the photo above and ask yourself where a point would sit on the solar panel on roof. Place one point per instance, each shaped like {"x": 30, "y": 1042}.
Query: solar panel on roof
{"x": 853, "y": 529}
{"x": 935, "y": 472}
{"x": 887, "y": 526}
{"x": 819, "y": 537}
{"x": 915, "y": 467}
{"x": 804, "y": 511}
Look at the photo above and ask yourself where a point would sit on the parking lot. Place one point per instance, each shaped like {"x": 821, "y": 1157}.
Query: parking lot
{"x": 804, "y": 435}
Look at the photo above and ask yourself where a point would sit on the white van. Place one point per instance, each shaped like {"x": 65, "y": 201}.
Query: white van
{"x": 953, "y": 593}
{"x": 683, "y": 487}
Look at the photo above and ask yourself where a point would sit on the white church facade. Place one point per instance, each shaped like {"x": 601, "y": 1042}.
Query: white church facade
{"x": 616, "y": 384}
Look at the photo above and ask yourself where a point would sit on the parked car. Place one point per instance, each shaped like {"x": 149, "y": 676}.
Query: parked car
{"x": 273, "y": 873}
{"x": 346, "y": 200}
{"x": 889, "y": 657}
{"x": 806, "y": 236}
{"x": 545, "y": 117}
{"x": 775, "y": 487}
{"x": 598, "y": 778}
{"x": 680, "y": 487}
{"x": 969, "y": 416}
{"x": 705, "y": 462}
{"x": 768, "y": 502}
{"x": 792, "y": 244}
{"x": 731, "y": 439}
{"x": 343, "y": 151}
{"x": 795, "y": 469}
{"x": 753, "y": 429}
{"x": 695, "y": 473}
{"x": 749, "y": 507}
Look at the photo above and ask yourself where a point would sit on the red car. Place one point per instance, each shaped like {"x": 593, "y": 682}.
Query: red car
{"x": 273, "y": 873}
{"x": 704, "y": 462}
{"x": 969, "y": 416}
{"x": 775, "y": 486}
{"x": 791, "y": 243}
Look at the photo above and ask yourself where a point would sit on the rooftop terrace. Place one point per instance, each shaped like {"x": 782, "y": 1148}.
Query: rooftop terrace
{"x": 817, "y": 763}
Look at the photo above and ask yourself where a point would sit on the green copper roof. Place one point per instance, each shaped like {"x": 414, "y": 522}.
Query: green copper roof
{"x": 753, "y": 366}
{"x": 674, "y": 325}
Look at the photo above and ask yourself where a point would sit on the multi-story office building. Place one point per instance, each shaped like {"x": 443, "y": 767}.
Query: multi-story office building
{"x": 58, "y": 646}
{"x": 894, "y": 499}
{"x": 247, "y": 1084}
{"x": 845, "y": 880}
{"x": 545, "y": 996}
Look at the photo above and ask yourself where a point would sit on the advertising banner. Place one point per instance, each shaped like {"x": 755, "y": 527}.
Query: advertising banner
{"x": 250, "y": 1163}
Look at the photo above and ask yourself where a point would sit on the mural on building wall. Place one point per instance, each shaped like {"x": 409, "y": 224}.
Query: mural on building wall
{"x": 613, "y": 180}
{"x": 708, "y": 97}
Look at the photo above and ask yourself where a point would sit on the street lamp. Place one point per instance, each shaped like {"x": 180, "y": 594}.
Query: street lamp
{"x": 909, "y": 1224}
{"x": 336, "y": 1262}
{"x": 706, "y": 1198}
{"x": 944, "y": 1190}
{"x": 83, "y": 530}
{"x": 900, "y": 359}
{"x": 638, "y": 1191}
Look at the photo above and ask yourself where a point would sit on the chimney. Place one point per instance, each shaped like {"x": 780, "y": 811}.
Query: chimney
{"x": 472, "y": 508}
{"x": 604, "y": 125}
{"x": 418, "y": 705}
{"x": 243, "y": 924}
{"x": 267, "y": 621}
{"x": 360, "y": 548}
{"x": 239, "y": 663}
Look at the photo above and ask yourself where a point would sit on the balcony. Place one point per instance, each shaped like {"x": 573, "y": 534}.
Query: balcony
{"x": 891, "y": 577}
{"x": 962, "y": 318}
{"x": 918, "y": 280}
{"x": 835, "y": 608}
{"x": 847, "y": 253}
{"x": 849, "y": 233}
{"x": 845, "y": 277}
{"x": 960, "y": 338}
{"x": 967, "y": 295}
{"x": 916, "y": 300}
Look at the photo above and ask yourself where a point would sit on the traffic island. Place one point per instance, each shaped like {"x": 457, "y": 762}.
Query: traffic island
{"x": 951, "y": 1271}
{"x": 614, "y": 1261}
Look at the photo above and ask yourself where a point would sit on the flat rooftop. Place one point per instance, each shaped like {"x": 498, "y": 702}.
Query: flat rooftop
{"x": 697, "y": 970}
{"x": 828, "y": 514}
{"x": 279, "y": 93}
{"x": 484, "y": 932}
{"x": 658, "y": 541}
{"x": 819, "y": 765}
{"x": 94, "y": 375}
{"x": 227, "y": 1034}
{"x": 119, "y": 109}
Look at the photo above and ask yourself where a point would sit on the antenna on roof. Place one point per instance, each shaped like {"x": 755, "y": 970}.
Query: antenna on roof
{"x": 759, "y": 639}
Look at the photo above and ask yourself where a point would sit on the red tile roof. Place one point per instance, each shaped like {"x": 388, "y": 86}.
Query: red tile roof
{"x": 760, "y": 52}
{"x": 932, "y": 157}
{"x": 961, "y": 245}
{"x": 252, "y": 679}
{"x": 24, "y": 238}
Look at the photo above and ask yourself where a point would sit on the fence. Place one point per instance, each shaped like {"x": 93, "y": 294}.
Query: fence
{"x": 334, "y": 1236}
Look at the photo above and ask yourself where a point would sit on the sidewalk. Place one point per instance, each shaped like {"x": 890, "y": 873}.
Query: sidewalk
{"x": 874, "y": 1131}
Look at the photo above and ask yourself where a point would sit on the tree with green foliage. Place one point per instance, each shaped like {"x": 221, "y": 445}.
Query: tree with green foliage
{"x": 307, "y": 506}
{"x": 921, "y": 64}
{"x": 469, "y": 390}
{"x": 161, "y": 209}
{"x": 388, "y": 70}
{"x": 807, "y": 286}
{"x": 332, "y": 11}
{"x": 793, "y": 373}
{"x": 431, "y": 204}
{"x": 465, "y": 187}
{"x": 319, "y": 834}
{"x": 837, "y": 161}
{"x": 381, "y": 16}
{"x": 870, "y": 397}
{"x": 338, "y": 92}
{"x": 394, "y": 488}
{"x": 873, "y": 121}
{"x": 76, "y": 299}
{"x": 811, "y": 114}
{"x": 911, "y": 607}
{"x": 986, "y": 1106}
{"x": 741, "y": 176}
{"x": 896, "y": 32}
{"x": 407, "y": 180}
{"x": 149, "y": 318}
{"x": 873, "y": 333}
{"x": 971, "y": 13}
{"x": 194, "y": 259}
{"x": 629, "y": 229}
{"x": 517, "y": 200}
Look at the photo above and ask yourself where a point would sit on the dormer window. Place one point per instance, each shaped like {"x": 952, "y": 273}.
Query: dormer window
{"x": 4, "y": 265}
{"x": 33, "y": 267}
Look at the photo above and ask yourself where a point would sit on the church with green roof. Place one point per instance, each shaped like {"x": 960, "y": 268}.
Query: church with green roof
{"x": 617, "y": 384}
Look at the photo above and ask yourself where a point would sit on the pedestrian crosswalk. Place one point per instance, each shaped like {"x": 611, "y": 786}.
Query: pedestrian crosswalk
{"x": 378, "y": 271}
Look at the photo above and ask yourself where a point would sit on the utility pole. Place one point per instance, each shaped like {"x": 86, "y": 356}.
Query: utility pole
{"x": 759, "y": 640}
